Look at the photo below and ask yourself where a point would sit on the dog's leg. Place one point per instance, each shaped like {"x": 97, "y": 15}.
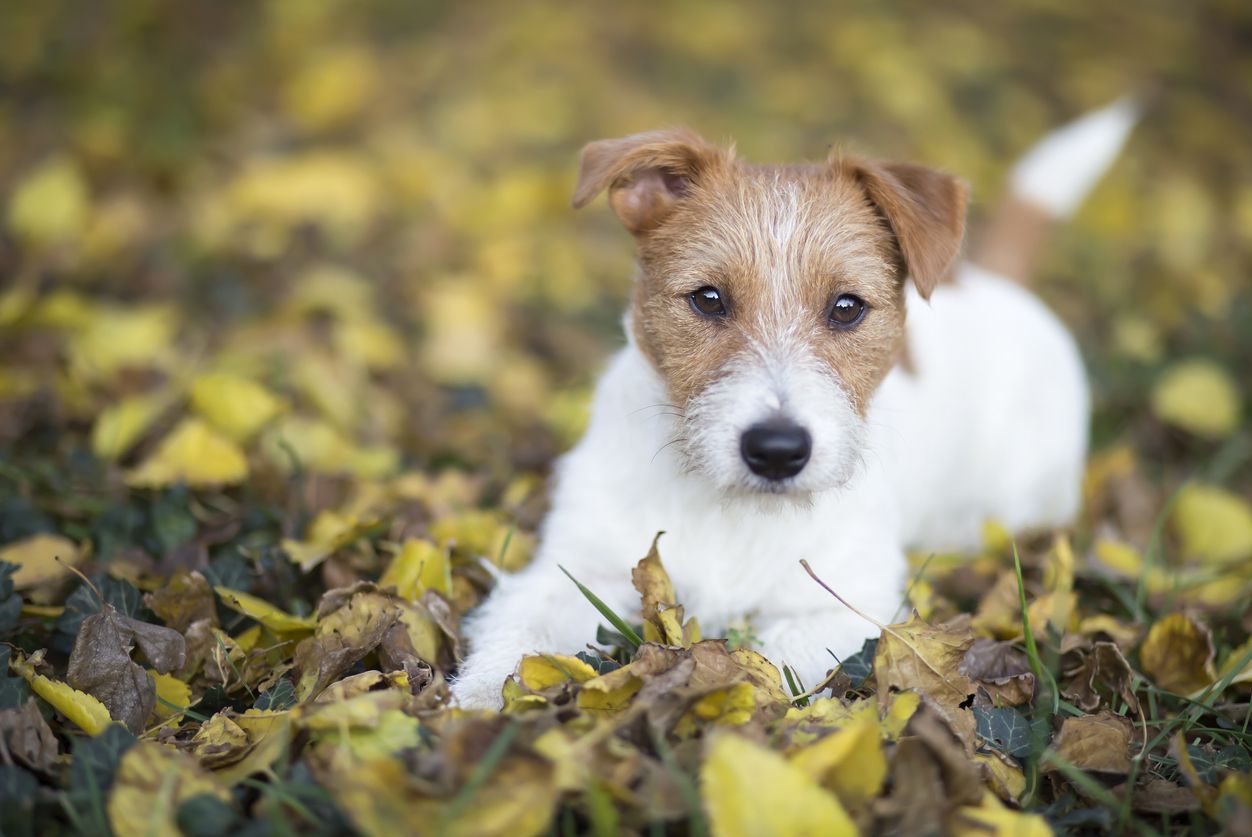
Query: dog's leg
{"x": 538, "y": 610}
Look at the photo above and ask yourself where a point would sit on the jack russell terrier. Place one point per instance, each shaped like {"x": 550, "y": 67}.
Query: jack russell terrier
{"x": 773, "y": 402}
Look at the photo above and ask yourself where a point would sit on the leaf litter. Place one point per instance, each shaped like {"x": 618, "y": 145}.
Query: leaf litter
{"x": 282, "y": 372}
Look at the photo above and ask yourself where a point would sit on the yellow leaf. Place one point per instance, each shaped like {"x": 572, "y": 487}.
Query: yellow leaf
{"x": 152, "y": 781}
{"x": 80, "y": 708}
{"x": 419, "y": 566}
{"x": 547, "y": 670}
{"x": 902, "y": 707}
{"x": 115, "y": 338}
{"x": 122, "y": 424}
{"x": 732, "y": 706}
{"x": 750, "y": 791}
{"x": 192, "y": 453}
{"x": 392, "y": 732}
{"x": 50, "y": 205}
{"x": 849, "y": 762}
{"x": 36, "y": 558}
{"x": 992, "y": 818}
{"x": 1178, "y": 654}
{"x": 337, "y": 191}
{"x": 1198, "y": 396}
{"x": 332, "y": 87}
{"x": 234, "y": 405}
{"x": 370, "y": 342}
{"x": 264, "y": 612}
{"x": 1008, "y": 782}
{"x": 1213, "y": 525}
{"x": 173, "y": 695}
{"x": 328, "y": 532}
{"x": 269, "y": 733}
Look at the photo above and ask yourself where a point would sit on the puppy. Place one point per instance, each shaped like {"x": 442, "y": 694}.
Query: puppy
{"x": 773, "y": 401}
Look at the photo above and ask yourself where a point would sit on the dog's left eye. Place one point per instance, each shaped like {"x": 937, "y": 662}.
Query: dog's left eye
{"x": 847, "y": 310}
{"x": 708, "y": 301}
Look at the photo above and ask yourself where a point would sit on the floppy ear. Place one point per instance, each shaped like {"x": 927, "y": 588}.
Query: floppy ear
{"x": 646, "y": 174}
{"x": 926, "y": 211}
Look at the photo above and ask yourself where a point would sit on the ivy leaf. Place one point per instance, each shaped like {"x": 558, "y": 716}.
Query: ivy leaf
{"x": 282, "y": 695}
{"x": 1003, "y": 728}
{"x": 860, "y": 665}
{"x": 10, "y": 602}
{"x": 83, "y": 602}
{"x": 13, "y": 690}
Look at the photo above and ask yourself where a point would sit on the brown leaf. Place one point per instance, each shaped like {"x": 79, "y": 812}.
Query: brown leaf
{"x": 1159, "y": 796}
{"x": 26, "y": 737}
{"x": 1178, "y": 654}
{"x": 927, "y": 658}
{"x": 185, "y": 599}
{"x": 350, "y": 624}
{"x": 1100, "y": 665}
{"x": 1001, "y": 670}
{"x": 100, "y": 663}
{"x": 1097, "y": 743}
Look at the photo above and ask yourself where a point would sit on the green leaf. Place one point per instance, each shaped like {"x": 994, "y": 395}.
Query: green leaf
{"x": 13, "y": 690}
{"x": 860, "y": 665}
{"x": 282, "y": 695}
{"x": 206, "y": 815}
{"x": 1003, "y": 728}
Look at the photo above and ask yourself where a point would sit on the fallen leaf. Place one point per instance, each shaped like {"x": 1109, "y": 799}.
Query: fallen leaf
{"x": 1178, "y": 654}
{"x": 1213, "y": 525}
{"x": 927, "y": 658}
{"x": 100, "y": 663}
{"x": 264, "y": 612}
{"x": 1097, "y": 743}
{"x": 737, "y": 774}
{"x": 1198, "y": 396}
{"x": 40, "y": 559}
{"x": 234, "y": 405}
{"x": 84, "y": 711}
{"x": 50, "y": 205}
{"x": 419, "y": 566}
{"x": 192, "y": 453}
{"x": 152, "y": 781}
{"x": 849, "y": 761}
{"x": 26, "y": 737}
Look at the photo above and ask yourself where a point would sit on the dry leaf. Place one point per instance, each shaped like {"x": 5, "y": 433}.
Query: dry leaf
{"x": 1178, "y": 654}
{"x": 737, "y": 775}
{"x": 1098, "y": 743}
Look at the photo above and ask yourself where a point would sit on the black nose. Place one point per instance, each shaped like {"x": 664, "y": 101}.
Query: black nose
{"x": 776, "y": 450}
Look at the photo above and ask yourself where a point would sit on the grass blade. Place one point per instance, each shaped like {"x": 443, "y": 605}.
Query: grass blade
{"x": 616, "y": 621}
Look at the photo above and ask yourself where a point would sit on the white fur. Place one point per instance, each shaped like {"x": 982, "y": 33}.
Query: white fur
{"x": 991, "y": 425}
{"x": 1058, "y": 172}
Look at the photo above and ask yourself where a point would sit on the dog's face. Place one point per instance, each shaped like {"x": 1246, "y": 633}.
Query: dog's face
{"x": 771, "y": 298}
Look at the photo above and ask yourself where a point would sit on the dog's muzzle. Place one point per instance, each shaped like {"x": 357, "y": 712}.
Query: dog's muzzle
{"x": 776, "y": 450}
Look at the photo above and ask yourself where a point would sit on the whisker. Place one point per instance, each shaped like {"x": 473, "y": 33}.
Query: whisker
{"x": 667, "y": 444}
{"x": 655, "y": 406}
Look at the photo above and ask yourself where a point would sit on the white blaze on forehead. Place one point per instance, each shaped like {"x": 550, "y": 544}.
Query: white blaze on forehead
{"x": 782, "y": 226}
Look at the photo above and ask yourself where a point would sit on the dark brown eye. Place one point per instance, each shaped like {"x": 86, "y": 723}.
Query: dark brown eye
{"x": 847, "y": 311}
{"x": 707, "y": 301}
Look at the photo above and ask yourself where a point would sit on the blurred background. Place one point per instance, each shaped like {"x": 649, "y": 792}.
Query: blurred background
{"x": 242, "y": 241}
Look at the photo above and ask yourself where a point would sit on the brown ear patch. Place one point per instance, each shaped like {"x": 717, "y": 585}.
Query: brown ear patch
{"x": 646, "y": 174}
{"x": 925, "y": 209}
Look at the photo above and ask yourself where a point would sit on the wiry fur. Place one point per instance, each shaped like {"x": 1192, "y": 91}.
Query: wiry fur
{"x": 989, "y": 422}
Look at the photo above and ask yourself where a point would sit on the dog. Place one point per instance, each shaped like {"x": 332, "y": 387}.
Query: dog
{"x": 774, "y": 403}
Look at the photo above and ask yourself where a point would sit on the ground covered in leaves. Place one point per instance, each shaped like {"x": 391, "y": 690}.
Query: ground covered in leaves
{"x": 294, "y": 317}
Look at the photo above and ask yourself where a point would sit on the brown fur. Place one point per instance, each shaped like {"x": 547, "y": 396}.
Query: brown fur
{"x": 780, "y": 243}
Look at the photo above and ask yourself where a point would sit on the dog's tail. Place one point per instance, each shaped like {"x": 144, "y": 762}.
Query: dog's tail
{"x": 1049, "y": 183}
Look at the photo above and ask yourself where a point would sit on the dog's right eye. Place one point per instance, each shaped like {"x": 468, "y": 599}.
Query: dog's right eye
{"x": 707, "y": 302}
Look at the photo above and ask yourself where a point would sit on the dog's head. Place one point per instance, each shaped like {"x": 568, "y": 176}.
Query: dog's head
{"x": 771, "y": 298}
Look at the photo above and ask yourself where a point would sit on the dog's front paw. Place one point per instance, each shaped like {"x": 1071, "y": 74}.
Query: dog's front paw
{"x": 480, "y": 683}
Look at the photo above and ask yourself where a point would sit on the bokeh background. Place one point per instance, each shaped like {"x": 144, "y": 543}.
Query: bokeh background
{"x": 243, "y": 241}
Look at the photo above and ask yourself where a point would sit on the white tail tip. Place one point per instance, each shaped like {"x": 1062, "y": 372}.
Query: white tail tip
{"x": 1058, "y": 172}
